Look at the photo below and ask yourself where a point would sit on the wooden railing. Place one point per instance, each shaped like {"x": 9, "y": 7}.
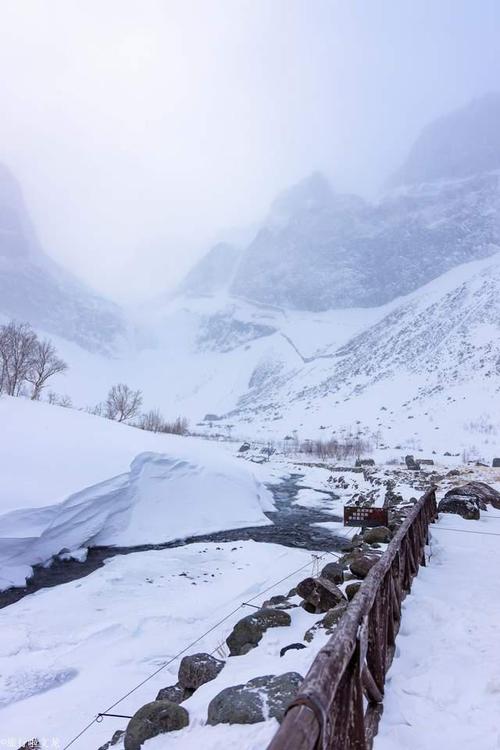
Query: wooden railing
{"x": 340, "y": 701}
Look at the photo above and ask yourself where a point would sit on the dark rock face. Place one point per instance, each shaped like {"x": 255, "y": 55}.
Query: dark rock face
{"x": 333, "y": 572}
{"x": 480, "y": 491}
{"x": 157, "y": 717}
{"x": 464, "y": 506}
{"x": 496, "y": 463}
{"x": 319, "y": 594}
{"x": 196, "y": 669}
{"x": 174, "y": 694}
{"x": 361, "y": 565}
{"x": 248, "y": 631}
{"x": 259, "y": 699}
{"x": 377, "y": 535}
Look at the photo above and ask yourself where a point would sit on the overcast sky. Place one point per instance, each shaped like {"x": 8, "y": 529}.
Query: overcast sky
{"x": 141, "y": 129}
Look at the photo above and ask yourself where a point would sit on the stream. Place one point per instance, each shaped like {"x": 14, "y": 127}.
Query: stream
{"x": 292, "y": 526}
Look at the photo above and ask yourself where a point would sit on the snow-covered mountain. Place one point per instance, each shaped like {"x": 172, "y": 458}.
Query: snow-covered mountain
{"x": 34, "y": 288}
{"x": 320, "y": 250}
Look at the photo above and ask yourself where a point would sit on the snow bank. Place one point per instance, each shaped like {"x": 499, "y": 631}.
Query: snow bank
{"x": 191, "y": 487}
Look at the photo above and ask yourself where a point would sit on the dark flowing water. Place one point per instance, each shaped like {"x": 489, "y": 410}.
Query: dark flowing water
{"x": 292, "y": 525}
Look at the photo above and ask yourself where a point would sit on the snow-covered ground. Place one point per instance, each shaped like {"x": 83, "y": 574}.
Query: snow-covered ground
{"x": 69, "y": 652}
{"x": 443, "y": 689}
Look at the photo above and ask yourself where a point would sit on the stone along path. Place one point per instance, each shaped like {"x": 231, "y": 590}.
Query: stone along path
{"x": 443, "y": 689}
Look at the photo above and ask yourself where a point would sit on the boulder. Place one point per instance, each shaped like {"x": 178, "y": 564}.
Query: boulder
{"x": 411, "y": 463}
{"x": 257, "y": 700}
{"x": 365, "y": 462}
{"x": 319, "y": 594}
{"x": 115, "y": 739}
{"x": 352, "y": 589}
{"x": 196, "y": 669}
{"x": 496, "y": 463}
{"x": 333, "y": 615}
{"x": 157, "y": 717}
{"x": 244, "y": 447}
{"x": 334, "y": 572}
{"x": 480, "y": 491}
{"x": 174, "y": 694}
{"x": 377, "y": 535}
{"x": 361, "y": 565}
{"x": 248, "y": 631}
{"x": 464, "y": 506}
{"x": 292, "y": 647}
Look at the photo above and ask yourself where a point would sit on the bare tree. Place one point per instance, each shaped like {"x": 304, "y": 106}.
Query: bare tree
{"x": 122, "y": 403}
{"x": 17, "y": 355}
{"x": 152, "y": 421}
{"x": 45, "y": 364}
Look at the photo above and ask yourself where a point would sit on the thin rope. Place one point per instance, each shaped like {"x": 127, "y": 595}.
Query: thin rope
{"x": 466, "y": 531}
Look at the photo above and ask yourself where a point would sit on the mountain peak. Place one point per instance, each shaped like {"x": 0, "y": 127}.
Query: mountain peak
{"x": 461, "y": 144}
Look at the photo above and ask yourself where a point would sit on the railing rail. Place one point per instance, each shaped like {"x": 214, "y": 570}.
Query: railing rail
{"x": 340, "y": 701}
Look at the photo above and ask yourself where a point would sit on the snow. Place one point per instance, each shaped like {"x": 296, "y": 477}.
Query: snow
{"x": 443, "y": 688}
{"x": 191, "y": 487}
{"x": 69, "y": 652}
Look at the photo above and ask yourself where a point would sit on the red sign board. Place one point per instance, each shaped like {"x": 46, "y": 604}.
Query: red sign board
{"x": 357, "y": 516}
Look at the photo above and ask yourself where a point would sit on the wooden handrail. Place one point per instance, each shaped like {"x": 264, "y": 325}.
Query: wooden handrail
{"x": 349, "y": 671}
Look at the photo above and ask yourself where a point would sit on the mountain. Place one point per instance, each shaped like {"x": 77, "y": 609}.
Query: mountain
{"x": 461, "y": 144}
{"x": 319, "y": 250}
{"x": 34, "y": 288}
{"x": 213, "y": 273}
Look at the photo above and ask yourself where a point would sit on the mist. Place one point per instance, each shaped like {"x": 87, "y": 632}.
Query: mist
{"x": 142, "y": 132}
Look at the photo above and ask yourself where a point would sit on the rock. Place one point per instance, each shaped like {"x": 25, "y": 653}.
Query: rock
{"x": 196, "y": 669}
{"x": 365, "y": 462}
{"x": 117, "y": 736}
{"x": 157, "y": 717}
{"x": 292, "y": 592}
{"x": 319, "y": 594}
{"x": 244, "y": 447}
{"x": 482, "y": 492}
{"x": 377, "y": 535}
{"x": 411, "y": 463}
{"x": 352, "y": 589}
{"x": 361, "y": 565}
{"x": 33, "y": 744}
{"x": 496, "y": 463}
{"x": 291, "y": 647}
{"x": 464, "y": 506}
{"x": 279, "y": 602}
{"x": 333, "y": 615}
{"x": 248, "y": 631}
{"x": 257, "y": 700}
{"x": 174, "y": 694}
{"x": 334, "y": 572}
{"x": 426, "y": 461}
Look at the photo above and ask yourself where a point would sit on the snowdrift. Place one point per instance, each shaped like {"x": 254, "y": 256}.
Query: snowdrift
{"x": 191, "y": 487}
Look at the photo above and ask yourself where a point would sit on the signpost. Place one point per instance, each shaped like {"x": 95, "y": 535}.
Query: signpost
{"x": 357, "y": 516}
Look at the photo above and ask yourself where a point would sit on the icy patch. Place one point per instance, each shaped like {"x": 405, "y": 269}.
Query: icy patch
{"x": 17, "y": 687}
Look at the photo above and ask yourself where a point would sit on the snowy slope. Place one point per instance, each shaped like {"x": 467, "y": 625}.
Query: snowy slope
{"x": 435, "y": 349}
{"x": 189, "y": 487}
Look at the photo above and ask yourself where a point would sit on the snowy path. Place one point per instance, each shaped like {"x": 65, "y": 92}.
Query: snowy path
{"x": 443, "y": 689}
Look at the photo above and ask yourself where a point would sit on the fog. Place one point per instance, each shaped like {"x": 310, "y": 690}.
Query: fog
{"x": 142, "y": 131}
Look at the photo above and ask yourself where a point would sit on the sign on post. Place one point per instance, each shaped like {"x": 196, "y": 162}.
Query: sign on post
{"x": 357, "y": 516}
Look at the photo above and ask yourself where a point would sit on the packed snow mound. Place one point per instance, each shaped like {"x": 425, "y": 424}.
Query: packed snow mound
{"x": 161, "y": 498}
{"x": 163, "y": 487}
